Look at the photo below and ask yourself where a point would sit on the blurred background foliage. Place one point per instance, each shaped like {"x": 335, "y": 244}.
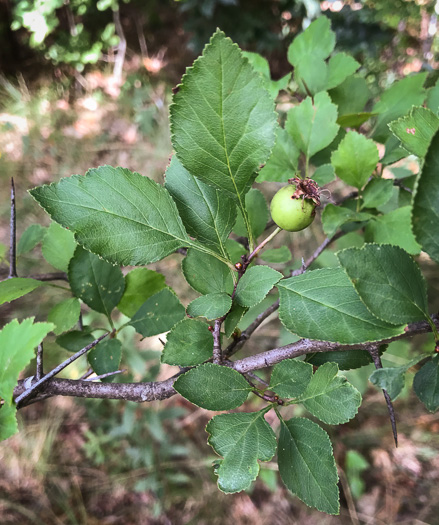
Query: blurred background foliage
{"x": 87, "y": 83}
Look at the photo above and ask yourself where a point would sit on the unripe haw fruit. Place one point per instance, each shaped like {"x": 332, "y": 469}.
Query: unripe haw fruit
{"x": 293, "y": 206}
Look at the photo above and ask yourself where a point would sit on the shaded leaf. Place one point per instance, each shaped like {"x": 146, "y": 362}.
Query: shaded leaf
{"x": 206, "y": 274}
{"x": 158, "y": 314}
{"x": 255, "y": 284}
{"x": 105, "y": 357}
{"x": 392, "y": 379}
{"x": 189, "y": 343}
{"x": 11, "y": 289}
{"x": 33, "y": 235}
{"x": 283, "y": 160}
{"x": 242, "y": 439}
{"x": 340, "y": 66}
{"x": 426, "y": 384}
{"x": 64, "y": 315}
{"x": 257, "y": 212}
{"x": 75, "y": 340}
{"x": 307, "y": 465}
{"x": 276, "y": 255}
{"x": 213, "y": 387}
{"x": 140, "y": 284}
{"x": 290, "y": 378}
{"x": 377, "y": 192}
{"x": 333, "y": 217}
{"x": 211, "y": 306}
{"x": 58, "y": 246}
{"x": 324, "y": 174}
{"x": 346, "y": 360}
{"x": 233, "y": 318}
{"x": 8, "y": 421}
{"x": 348, "y": 104}
{"x": 323, "y": 305}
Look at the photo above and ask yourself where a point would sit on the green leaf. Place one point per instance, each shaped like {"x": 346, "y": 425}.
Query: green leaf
{"x": 276, "y": 255}
{"x": 340, "y": 67}
{"x": 355, "y": 159}
{"x": 64, "y": 315}
{"x": 233, "y": 318}
{"x": 8, "y": 421}
{"x": 388, "y": 281}
{"x": 343, "y": 97}
{"x": 330, "y": 397}
{"x": 307, "y": 465}
{"x": 433, "y": 98}
{"x": 257, "y": 212}
{"x": 354, "y": 120}
{"x": 397, "y": 101}
{"x": 58, "y": 246}
{"x": 140, "y": 285}
{"x": 416, "y": 130}
{"x": 333, "y": 217}
{"x": 213, "y": 387}
{"x": 105, "y": 357}
{"x": 222, "y": 119}
{"x": 346, "y": 360}
{"x": 283, "y": 161}
{"x": 30, "y": 238}
{"x": 377, "y": 192}
{"x": 290, "y": 378}
{"x": 255, "y": 284}
{"x": 118, "y": 214}
{"x": 75, "y": 340}
{"x": 323, "y": 305}
{"x": 158, "y": 314}
{"x": 392, "y": 379}
{"x": 311, "y": 75}
{"x": 211, "y": 306}
{"x": 11, "y": 289}
{"x": 426, "y": 384}
{"x": 242, "y": 439}
{"x": 189, "y": 343}
{"x": 96, "y": 282}
{"x": 425, "y": 203}
{"x": 394, "y": 228}
{"x": 312, "y": 126}
{"x": 235, "y": 250}
{"x": 261, "y": 66}
{"x": 324, "y": 174}
{"x": 206, "y": 274}
{"x": 317, "y": 41}
{"x": 207, "y": 213}
{"x": 17, "y": 349}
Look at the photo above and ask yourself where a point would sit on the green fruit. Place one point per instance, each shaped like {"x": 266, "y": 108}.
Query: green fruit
{"x": 289, "y": 212}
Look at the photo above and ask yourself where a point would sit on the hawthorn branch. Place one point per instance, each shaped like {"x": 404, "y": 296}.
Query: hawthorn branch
{"x": 217, "y": 353}
{"x": 53, "y": 276}
{"x": 13, "y": 235}
{"x": 160, "y": 390}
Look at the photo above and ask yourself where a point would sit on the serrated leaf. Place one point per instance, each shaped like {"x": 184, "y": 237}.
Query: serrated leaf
{"x": 118, "y": 214}
{"x": 307, "y": 465}
{"x": 158, "y": 314}
{"x": 355, "y": 159}
{"x": 283, "y": 160}
{"x": 8, "y": 421}
{"x": 276, "y": 255}
{"x": 312, "y": 126}
{"x": 207, "y": 213}
{"x": 416, "y": 130}
{"x": 317, "y": 41}
{"x": 394, "y": 228}
{"x": 96, "y": 282}
{"x": 340, "y": 66}
{"x": 213, "y": 387}
{"x": 75, "y": 340}
{"x": 255, "y": 284}
{"x": 233, "y": 318}
{"x": 324, "y": 174}
{"x": 17, "y": 348}
{"x": 377, "y": 192}
{"x": 329, "y": 397}
{"x": 242, "y": 439}
{"x": 257, "y": 213}
{"x": 211, "y": 306}
{"x": 261, "y": 66}
{"x": 392, "y": 379}
{"x": 396, "y": 102}
{"x": 290, "y": 378}
{"x": 206, "y": 274}
{"x": 333, "y": 217}
{"x": 64, "y": 315}
{"x": 311, "y": 75}
{"x": 140, "y": 284}
{"x": 426, "y": 384}
{"x": 388, "y": 281}
{"x": 342, "y": 96}
{"x": 189, "y": 343}
{"x": 105, "y": 357}
{"x": 58, "y": 246}
{"x": 425, "y": 203}
{"x": 11, "y": 289}
{"x": 323, "y": 305}
{"x": 33, "y": 235}
{"x": 222, "y": 119}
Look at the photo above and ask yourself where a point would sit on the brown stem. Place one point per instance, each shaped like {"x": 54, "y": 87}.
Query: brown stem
{"x": 13, "y": 235}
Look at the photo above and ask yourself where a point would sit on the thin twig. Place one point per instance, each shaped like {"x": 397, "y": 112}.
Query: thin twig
{"x": 13, "y": 235}
{"x": 53, "y": 276}
{"x": 87, "y": 374}
{"x": 57, "y": 370}
{"x": 108, "y": 374}
{"x": 317, "y": 252}
{"x": 217, "y": 353}
{"x": 39, "y": 369}
{"x": 375, "y": 355}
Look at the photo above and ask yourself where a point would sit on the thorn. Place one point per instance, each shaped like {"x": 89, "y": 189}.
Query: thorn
{"x": 13, "y": 235}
